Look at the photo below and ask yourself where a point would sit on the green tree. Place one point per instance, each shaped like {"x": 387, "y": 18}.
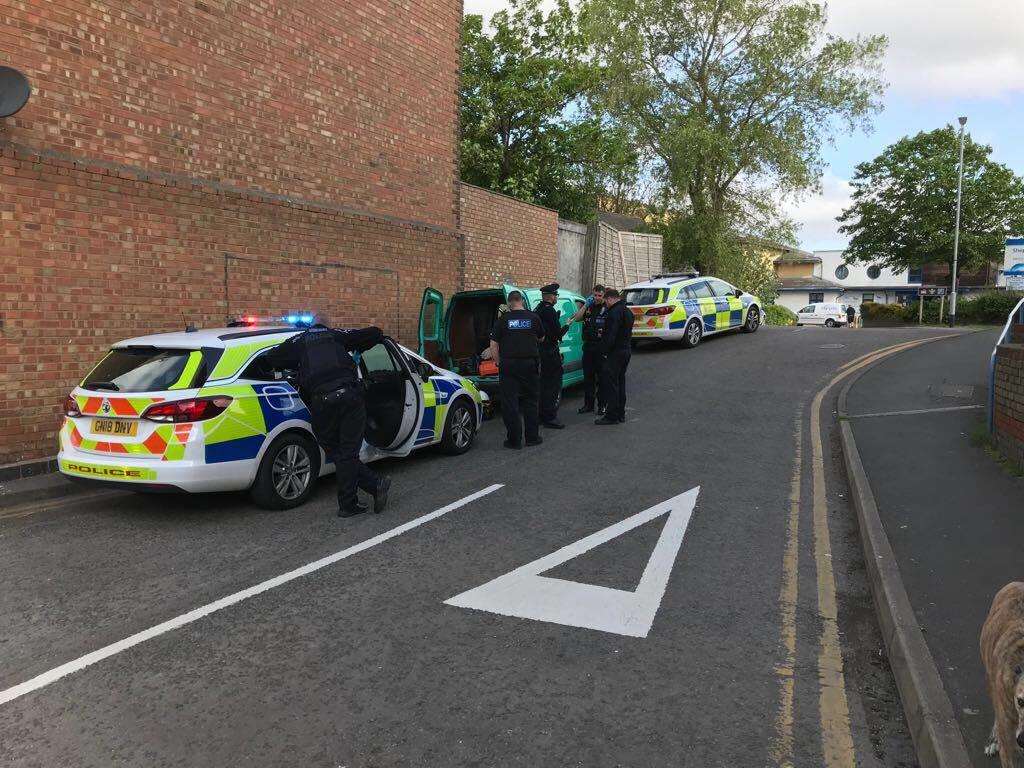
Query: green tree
{"x": 526, "y": 128}
{"x": 735, "y": 99}
{"x": 904, "y": 204}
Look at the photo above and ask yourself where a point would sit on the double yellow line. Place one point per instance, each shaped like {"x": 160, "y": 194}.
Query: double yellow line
{"x": 833, "y": 708}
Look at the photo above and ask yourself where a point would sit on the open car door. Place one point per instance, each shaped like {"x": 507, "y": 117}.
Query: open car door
{"x": 431, "y": 337}
{"x": 394, "y": 400}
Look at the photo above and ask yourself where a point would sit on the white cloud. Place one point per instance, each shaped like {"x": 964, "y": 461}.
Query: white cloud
{"x": 816, "y": 214}
{"x": 939, "y": 48}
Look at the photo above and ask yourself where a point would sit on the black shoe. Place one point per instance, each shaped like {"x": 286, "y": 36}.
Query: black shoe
{"x": 535, "y": 441}
{"x": 380, "y": 496}
{"x": 355, "y": 509}
{"x": 514, "y": 446}
{"x": 586, "y": 409}
{"x": 602, "y": 422}
{"x": 553, "y": 424}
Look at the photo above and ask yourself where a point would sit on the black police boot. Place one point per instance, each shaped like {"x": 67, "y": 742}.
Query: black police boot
{"x": 586, "y": 409}
{"x": 535, "y": 441}
{"x": 553, "y": 424}
{"x": 355, "y": 509}
{"x": 513, "y": 446}
{"x": 380, "y": 496}
{"x": 605, "y": 420}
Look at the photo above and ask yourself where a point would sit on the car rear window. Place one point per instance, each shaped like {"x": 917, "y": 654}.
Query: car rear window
{"x": 146, "y": 369}
{"x": 643, "y": 296}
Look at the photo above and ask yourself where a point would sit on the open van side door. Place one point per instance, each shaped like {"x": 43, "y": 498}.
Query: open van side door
{"x": 431, "y": 338}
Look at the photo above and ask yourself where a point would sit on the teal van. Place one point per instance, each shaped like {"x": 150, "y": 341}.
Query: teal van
{"x": 455, "y": 335}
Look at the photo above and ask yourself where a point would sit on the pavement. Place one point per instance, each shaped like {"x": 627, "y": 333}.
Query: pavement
{"x": 951, "y": 512}
{"x": 686, "y": 589}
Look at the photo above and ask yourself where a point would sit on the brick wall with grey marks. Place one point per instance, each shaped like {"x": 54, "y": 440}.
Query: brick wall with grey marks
{"x": 1008, "y": 401}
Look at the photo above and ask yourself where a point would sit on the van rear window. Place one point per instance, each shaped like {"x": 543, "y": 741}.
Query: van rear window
{"x": 146, "y": 369}
{"x": 643, "y": 296}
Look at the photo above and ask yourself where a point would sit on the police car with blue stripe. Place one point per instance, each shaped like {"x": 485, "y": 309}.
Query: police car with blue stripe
{"x": 685, "y": 307}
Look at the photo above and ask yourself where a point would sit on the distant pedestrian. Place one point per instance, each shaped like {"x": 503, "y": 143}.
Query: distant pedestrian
{"x": 851, "y": 316}
{"x": 515, "y": 347}
{"x": 550, "y": 358}
{"x": 592, "y": 315}
{"x": 615, "y": 348}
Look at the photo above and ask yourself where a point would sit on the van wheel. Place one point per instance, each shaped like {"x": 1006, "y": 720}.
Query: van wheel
{"x": 830, "y": 323}
{"x": 288, "y": 472}
{"x": 693, "y": 334}
{"x": 753, "y": 320}
{"x": 459, "y": 428}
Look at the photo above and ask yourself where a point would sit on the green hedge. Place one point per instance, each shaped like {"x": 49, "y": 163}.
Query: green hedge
{"x": 776, "y": 314}
{"x": 882, "y": 314}
{"x": 985, "y": 308}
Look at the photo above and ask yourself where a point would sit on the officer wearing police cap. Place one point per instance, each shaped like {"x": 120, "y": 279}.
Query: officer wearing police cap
{"x": 550, "y": 358}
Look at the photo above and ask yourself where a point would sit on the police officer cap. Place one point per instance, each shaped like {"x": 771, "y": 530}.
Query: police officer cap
{"x": 550, "y": 288}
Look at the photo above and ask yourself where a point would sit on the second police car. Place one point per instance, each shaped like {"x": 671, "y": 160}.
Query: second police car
{"x": 202, "y": 411}
{"x": 685, "y": 307}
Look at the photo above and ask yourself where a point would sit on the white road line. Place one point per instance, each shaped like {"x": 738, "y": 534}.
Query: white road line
{"x": 525, "y": 594}
{"x": 915, "y": 412}
{"x": 194, "y": 615}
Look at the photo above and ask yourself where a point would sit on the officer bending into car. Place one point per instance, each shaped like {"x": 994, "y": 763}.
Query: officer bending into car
{"x": 615, "y": 350}
{"x": 550, "y": 358}
{"x": 328, "y": 381}
{"x": 515, "y": 342}
{"x": 593, "y": 317}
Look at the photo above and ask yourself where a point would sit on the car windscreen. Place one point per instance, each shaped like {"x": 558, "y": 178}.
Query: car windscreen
{"x": 643, "y": 296}
{"x": 145, "y": 369}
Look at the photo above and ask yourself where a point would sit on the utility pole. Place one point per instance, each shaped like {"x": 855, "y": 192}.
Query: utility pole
{"x": 956, "y": 234}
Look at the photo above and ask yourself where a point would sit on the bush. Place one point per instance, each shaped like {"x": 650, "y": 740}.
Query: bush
{"x": 776, "y": 314}
{"x": 990, "y": 307}
{"x": 882, "y": 314}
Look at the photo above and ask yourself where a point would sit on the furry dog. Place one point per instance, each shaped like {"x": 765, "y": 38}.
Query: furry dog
{"x": 1002, "y": 652}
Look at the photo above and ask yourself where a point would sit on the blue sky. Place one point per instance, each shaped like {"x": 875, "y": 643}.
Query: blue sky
{"x": 946, "y": 58}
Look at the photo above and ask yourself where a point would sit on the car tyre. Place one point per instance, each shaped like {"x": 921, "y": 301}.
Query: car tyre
{"x": 288, "y": 472}
{"x": 830, "y": 323}
{"x": 693, "y": 334}
{"x": 753, "y": 320}
{"x": 459, "y": 428}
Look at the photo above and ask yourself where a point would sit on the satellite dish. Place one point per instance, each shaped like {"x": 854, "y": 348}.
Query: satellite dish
{"x": 14, "y": 91}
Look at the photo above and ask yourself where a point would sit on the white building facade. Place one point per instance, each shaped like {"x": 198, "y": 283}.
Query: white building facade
{"x": 830, "y": 279}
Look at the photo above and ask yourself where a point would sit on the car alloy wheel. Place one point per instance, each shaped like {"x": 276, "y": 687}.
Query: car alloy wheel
{"x": 830, "y": 323}
{"x": 693, "y": 334}
{"x": 461, "y": 427}
{"x": 753, "y": 319}
{"x": 291, "y": 472}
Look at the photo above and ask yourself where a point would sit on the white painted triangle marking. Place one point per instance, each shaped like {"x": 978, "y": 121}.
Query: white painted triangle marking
{"x": 526, "y": 594}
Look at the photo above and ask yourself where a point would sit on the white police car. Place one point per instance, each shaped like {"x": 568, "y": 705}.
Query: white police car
{"x": 203, "y": 411}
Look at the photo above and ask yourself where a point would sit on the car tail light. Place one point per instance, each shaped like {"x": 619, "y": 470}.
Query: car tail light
{"x": 655, "y": 311}
{"x": 196, "y": 409}
{"x": 71, "y": 407}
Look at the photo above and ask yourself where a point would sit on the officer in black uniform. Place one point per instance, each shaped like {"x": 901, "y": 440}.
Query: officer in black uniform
{"x": 592, "y": 316}
{"x": 514, "y": 345}
{"x": 550, "y": 358}
{"x": 329, "y": 384}
{"x": 615, "y": 349}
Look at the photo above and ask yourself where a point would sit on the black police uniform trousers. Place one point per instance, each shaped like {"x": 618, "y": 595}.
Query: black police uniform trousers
{"x": 613, "y": 383}
{"x": 338, "y": 419}
{"x": 593, "y": 361}
{"x": 550, "y": 382}
{"x": 518, "y": 384}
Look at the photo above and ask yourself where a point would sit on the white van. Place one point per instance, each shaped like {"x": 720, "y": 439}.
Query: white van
{"x": 822, "y": 314}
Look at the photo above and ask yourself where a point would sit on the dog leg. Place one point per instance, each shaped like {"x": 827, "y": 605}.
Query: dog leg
{"x": 992, "y": 749}
{"x": 1007, "y": 746}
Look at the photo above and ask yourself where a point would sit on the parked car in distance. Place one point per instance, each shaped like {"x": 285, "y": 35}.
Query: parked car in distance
{"x": 827, "y": 314}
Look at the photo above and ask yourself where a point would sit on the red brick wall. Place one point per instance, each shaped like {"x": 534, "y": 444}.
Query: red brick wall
{"x": 91, "y": 257}
{"x": 1008, "y": 412}
{"x": 190, "y": 161}
{"x": 347, "y": 101}
{"x": 507, "y": 240}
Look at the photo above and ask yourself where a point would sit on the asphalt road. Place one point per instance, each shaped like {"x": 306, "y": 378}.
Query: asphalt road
{"x": 762, "y": 650}
{"x": 950, "y": 511}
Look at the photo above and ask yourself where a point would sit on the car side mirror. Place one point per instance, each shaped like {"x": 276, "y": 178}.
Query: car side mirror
{"x": 738, "y": 293}
{"x": 425, "y": 371}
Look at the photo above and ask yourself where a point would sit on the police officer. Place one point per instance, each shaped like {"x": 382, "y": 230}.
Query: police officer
{"x": 615, "y": 349}
{"x": 550, "y": 358}
{"x": 592, "y": 316}
{"x": 329, "y": 384}
{"x": 514, "y": 345}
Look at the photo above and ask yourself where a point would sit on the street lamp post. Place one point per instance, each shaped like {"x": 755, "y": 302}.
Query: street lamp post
{"x": 956, "y": 233}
